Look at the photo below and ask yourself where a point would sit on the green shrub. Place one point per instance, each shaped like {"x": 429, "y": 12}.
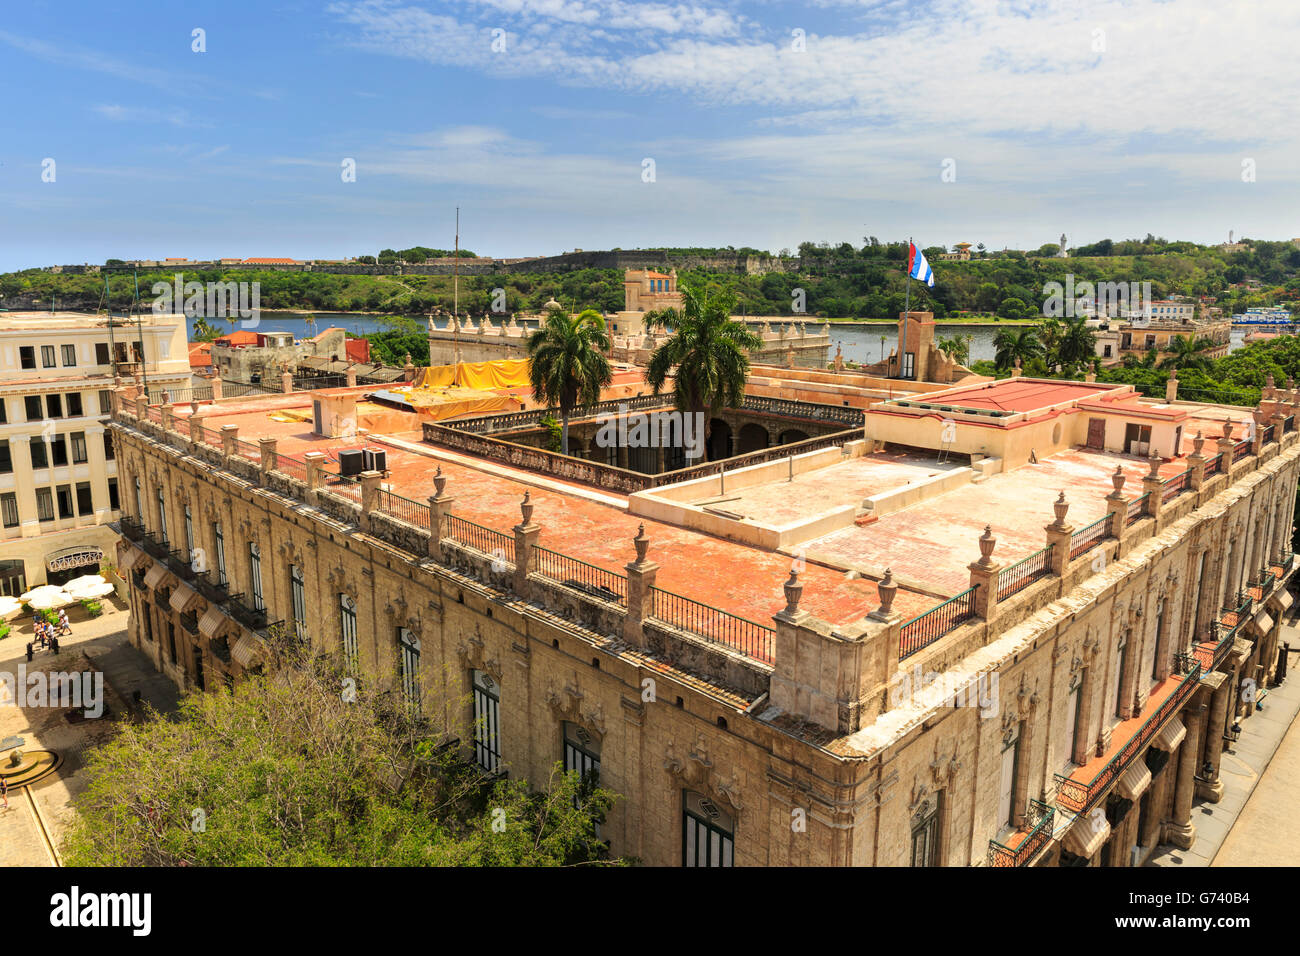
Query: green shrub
{"x": 4, "y": 630}
{"x": 93, "y": 608}
{"x": 50, "y": 617}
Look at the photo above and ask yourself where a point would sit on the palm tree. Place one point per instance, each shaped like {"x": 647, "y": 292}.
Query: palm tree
{"x": 1078, "y": 343}
{"x": 568, "y": 366}
{"x": 205, "y": 331}
{"x": 958, "y": 346}
{"x": 1186, "y": 353}
{"x": 1016, "y": 343}
{"x": 709, "y": 349}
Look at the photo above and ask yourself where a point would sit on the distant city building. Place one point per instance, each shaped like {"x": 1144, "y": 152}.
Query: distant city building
{"x": 58, "y": 474}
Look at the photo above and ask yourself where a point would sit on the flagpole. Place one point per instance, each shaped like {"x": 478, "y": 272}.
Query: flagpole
{"x": 907, "y": 306}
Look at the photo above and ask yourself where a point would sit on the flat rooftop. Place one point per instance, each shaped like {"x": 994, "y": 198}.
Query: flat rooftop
{"x": 927, "y": 536}
{"x": 1017, "y": 395}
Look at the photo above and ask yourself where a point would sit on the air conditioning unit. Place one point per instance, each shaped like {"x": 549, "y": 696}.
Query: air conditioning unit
{"x": 376, "y": 459}
{"x": 351, "y": 462}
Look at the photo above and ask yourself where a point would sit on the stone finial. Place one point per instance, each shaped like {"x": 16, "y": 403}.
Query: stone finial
{"x": 1258, "y": 415}
{"x": 642, "y": 544}
{"x": 1118, "y": 480}
{"x": 793, "y": 591}
{"x": 1060, "y": 506}
{"x": 526, "y": 507}
{"x": 887, "y": 589}
{"x": 1154, "y": 461}
{"x": 1227, "y": 428}
{"x": 439, "y": 481}
{"x": 1197, "y": 443}
{"x": 987, "y": 544}
{"x": 1290, "y": 383}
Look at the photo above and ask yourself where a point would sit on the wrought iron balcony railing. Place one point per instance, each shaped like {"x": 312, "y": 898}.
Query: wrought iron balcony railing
{"x": 1036, "y": 833}
{"x": 213, "y": 589}
{"x": 181, "y": 565}
{"x": 246, "y": 613}
{"x": 130, "y": 528}
{"x": 156, "y": 546}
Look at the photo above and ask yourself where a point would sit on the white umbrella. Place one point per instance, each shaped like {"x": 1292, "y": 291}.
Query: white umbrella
{"x": 83, "y": 582}
{"x": 9, "y": 606}
{"x": 89, "y": 592}
{"x": 47, "y": 597}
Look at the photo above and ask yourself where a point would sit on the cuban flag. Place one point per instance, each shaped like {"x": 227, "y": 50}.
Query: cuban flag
{"x": 917, "y": 267}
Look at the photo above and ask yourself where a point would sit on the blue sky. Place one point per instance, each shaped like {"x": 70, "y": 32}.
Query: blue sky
{"x": 768, "y": 123}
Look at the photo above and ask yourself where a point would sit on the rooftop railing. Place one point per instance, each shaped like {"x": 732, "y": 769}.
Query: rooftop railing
{"x": 581, "y": 576}
{"x": 1175, "y": 486}
{"x": 489, "y": 541}
{"x": 1087, "y": 538}
{"x": 1214, "y": 465}
{"x": 1137, "y": 509}
{"x": 404, "y": 509}
{"x": 749, "y": 637}
{"x": 1025, "y": 572}
{"x": 925, "y": 629}
{"x": 1240, "y": 450}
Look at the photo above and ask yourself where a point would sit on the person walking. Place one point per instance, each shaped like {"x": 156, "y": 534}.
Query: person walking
{"x": 54, "y": 644}
{"x": 65, "y": 627}
{"x": 29, "y": 652}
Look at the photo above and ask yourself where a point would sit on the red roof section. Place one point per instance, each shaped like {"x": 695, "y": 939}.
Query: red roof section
{"x": 1018, "y": 394}
{"x": 201, "y": 355}
{"x": 242, "y": 337}
{"x": 273, "y": 262}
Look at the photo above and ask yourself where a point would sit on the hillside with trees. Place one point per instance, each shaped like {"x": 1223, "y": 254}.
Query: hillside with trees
{"x": 838, "y": 281}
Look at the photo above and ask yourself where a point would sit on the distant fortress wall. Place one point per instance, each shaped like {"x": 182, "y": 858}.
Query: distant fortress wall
{"x": 566, "y": 262}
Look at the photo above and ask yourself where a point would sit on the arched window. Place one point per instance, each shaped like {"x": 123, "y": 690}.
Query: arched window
{"x": 162, "y": 516}
{"x": 926, "y": 832}
{"x": 408, "y": 665}
{"x": 298, "y": 598}
{"x": 708, "y": 832}
{"x": 581, "y": 751}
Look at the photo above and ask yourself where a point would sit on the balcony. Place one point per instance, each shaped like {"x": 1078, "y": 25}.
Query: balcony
{"x": 190, "y": 622}
{"x": 242, "y": 610}
{"x": 181, "y": 565}
{"x": 131, "y": 529}
{"x": 156, "y": 546}
{"x": 1084, "y": 788}
{"x": 1023, "y": 845}
{"x": 214, "y": 590}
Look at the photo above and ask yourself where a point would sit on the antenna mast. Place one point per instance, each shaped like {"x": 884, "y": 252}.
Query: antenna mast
{"x": 455, "y": 301}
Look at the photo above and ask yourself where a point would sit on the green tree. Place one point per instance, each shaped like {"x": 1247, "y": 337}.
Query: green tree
{"x": 958, "y": 346}
{"x": 709, "y": 350}
{"x": 205, "y": 331}
{"x": 1016, "y": 343}
{"x": 569, "y": 367}
{"x": 1186, "y": 353}
{"x": 1078, "y": 342}
{"x": 282, "y": 770}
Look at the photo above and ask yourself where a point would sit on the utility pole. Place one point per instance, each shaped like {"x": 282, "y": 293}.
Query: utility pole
{"x": 455, "y": 297}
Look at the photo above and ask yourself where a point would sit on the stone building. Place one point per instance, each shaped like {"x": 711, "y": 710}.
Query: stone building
{"x": 58, "y": 474}
{"x": 259, "y": 357}
{"x": 1034, "y": 660}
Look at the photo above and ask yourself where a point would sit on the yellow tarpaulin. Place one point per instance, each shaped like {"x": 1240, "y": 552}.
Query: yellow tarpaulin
{"x": 502, "y": 373}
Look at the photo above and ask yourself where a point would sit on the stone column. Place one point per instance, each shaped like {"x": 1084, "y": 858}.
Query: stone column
{"x": 216, "y": 388}
{"x": 439, "y": 510}
{"x": 1171, "y": 387}
{"x": 369, "y": 496}
{"x": 25, "y": 485}
{"x": 526, "y": 535}
{"x": 314, "y": 462}
{"x": 1058, "y": 536}
{"x": 1211, "y": 789}
{"x": 286, "y": 382}
{"x": 98, "y": 474}
{"x": 1181, "y": 831}
{"x": 229, "y": 435}
{"x": 984, "y": 576}
{"x": 167, "y": 418}
{"x": 1224, "y": 443}
{"x": 351, "y": 378}
{"x": 1154, "y": 486}
{"x": 267, "y": 450}
{"x": 640, "y": 579}
{"x": 1257, "y": 438}
{"x": 1197, "y": 462}
{"x": 1117, "y": 509}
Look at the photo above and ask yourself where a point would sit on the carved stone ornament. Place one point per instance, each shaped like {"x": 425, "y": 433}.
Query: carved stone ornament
{"x": 567, "y": 705}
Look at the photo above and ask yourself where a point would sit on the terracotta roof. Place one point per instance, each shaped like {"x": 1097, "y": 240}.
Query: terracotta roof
{"x": 201, "y": 355}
